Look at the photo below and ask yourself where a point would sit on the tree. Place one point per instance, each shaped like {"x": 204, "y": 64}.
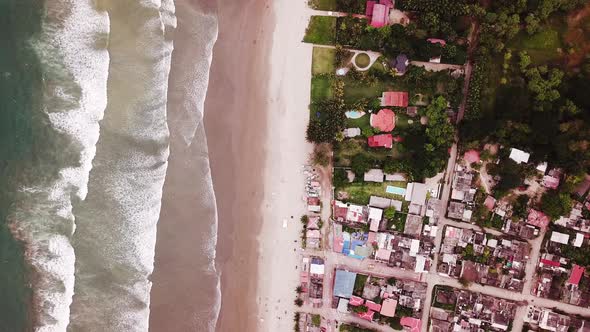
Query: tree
{"x": 321, "y": 154}
{"x": 298, "y": 302}
{"x": 532, "y": 24}
{"x": 316, "y": 320}
{"x": 360, "y": 164}
{"x": 525, "y": 60}
{"x": 556, "y": 204}
{"x": 440, "y": 131}
{"x": 544, "y": 83}
{"x": 390, "y": 212}
{"x": 299, "y": 289}
{"x": 569, "y": 108}
{"x": 340, "y": 177}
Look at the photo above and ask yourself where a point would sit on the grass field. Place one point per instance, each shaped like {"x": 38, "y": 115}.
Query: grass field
{"x": 321, "y": 88}
{"x": 543, "y": 46}
{"x": 364, "y": 122}
{"x": 361, "y": 192}
{"x": 323, "y": 60}
{"x": 321, "y": 30}
{"x": 323, "y": 4}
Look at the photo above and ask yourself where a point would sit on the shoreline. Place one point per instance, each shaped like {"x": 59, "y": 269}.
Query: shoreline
{"x": 268, "y": 71}
{"x": 236, "y": 127}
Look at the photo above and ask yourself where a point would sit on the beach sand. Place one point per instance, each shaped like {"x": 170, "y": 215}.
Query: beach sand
{"x": 256, "y": 116}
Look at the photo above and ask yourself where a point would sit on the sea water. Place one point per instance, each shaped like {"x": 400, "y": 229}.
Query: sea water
{"x": 85, "y": 147}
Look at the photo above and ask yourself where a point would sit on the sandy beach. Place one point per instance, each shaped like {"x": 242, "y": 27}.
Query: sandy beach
{"x": 255, "y": 118}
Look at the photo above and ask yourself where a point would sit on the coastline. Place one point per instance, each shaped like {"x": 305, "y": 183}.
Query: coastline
{"x": 262, "y": 183}
{"x": 235, "y": 123}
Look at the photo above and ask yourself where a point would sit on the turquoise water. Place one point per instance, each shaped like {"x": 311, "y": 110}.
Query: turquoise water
{"x": 395, "y": 190}
{"x": 354, "y": 114}
{"x": 20, "y": 79}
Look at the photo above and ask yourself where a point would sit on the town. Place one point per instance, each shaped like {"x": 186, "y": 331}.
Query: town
{"x": 431, "y": 205}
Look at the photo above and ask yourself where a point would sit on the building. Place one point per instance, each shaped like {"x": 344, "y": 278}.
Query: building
{"x": 378, "y": 13}
{"x": 412, "y": 111}
{"x": 388, "y": 307}
{"x": 559, "y": 237}
{"x": 576, "y": 276}
{"x": 413, "y": 225}
{"x": 381, "y": 141}
{"x": 538, "y": 219}
{"x": 395, "y": 99}
{"x": 519, "y": 156}
{"x": 551, "y": 180}
{"x": 416, "y": 194}
{"x": 374, "y": 175}
{"x": 352, "y": 132}
{"x": 400, "y": 64}
{"x": 344, "y": 283}
{"x": 384, "y": 120}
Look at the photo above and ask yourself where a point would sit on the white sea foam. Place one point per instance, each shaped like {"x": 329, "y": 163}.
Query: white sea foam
{"x": 72, "y": 64}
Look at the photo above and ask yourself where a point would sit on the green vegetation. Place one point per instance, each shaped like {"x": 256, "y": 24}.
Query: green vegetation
{"x": 350, "y": 328}
{"x": 330, "y": 5}
{"x": 321, "y": 88}
{"x": 394, "y": 323}
{"x": 362, "y": 60}
{"x": 556, "y": 204}
{"x": 402, "y": 311}
{"x": 323, "y": 60}
{"x": 398, "y": 221}
{"x": 359, "y": 284}
{"x": 361, "y": 192}
{"x": 321, "y": 30}
{"x": 316, "y": 320}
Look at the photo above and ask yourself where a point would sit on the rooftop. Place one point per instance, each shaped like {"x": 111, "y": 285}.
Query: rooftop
{"x": 519, "y": 156}
{"x": 381, "y": 141}
{"x": 395, "y": 99}
{"x": 384, "y": 120}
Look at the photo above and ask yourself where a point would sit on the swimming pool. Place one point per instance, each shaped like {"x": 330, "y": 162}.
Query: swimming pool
{"x": 354, "y": 114}
{"x": 395, "y": 190}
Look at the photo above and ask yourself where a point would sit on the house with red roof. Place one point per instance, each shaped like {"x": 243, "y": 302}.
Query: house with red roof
{"x": 373, "y": 306}
{"x": 394, "y": 98}
{"x": 548, "y": 262}
{"x": 490, "y": 203}
{"x": 367, "y": 315}
{"x": 378, "y": 13}
{"x": 381, "y": 141}
{"x": 442, "y": 42}
{"x": 537, "y": 218}
{"x": 471, "y": 156}
{"x": 576, "y": 276}
{"x": 355, "y": 301}
{"x": 412, "y": 323}
{"x": 384, "y": 120}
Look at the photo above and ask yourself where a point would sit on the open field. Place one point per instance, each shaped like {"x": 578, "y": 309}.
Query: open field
{"x": 321, "y": 88}
{"x": 323, "y": 60}
{"x": 321, "y": 30}
{"x": 361, "y": 192}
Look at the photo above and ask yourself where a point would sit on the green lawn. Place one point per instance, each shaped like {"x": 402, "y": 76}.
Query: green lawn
{"x": 321, "y": 88}
{"x": 542, "y": 47}
{"x": 359, "y": 284}
{"x": 364, "y": 122}
{"x": 321, "y": 30}
{"x": 323, "y": 60}
{"x": 361, "y": 192}
{"x": 323, "y": 4}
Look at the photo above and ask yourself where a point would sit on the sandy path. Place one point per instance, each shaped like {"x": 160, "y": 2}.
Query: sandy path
{"x": 287, "y": 153}
{"x": 256, "y": 133}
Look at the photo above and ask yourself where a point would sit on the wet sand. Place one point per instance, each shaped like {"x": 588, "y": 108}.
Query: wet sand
{"x": 185, "y": 291}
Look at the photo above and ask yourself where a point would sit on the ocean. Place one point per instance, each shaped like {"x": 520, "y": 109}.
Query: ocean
{"x": 85, "y": 112}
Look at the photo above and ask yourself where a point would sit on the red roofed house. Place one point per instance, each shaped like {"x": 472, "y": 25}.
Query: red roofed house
{"x": 437, "y": 41}
{"x": 355, "y": 301}
{"x": 367, "y": 315}
{"x": 380, "y": 15}
{"x": 576, "y": 276}
{"x": 490, "y": 203}
{"x": 412, "y": 323}
{"x": 471, "y": 156}
{"x": 550, "y": 263}
{"x": 373, "y": 306}
{"x": 537, "y": 218}
{"x": 381, "y": 141}
{"x": 384, "y": 120}
{"x": 394, "y": 98}
{"x": 370, "y": 5}
{"x": 551, "y": 180}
